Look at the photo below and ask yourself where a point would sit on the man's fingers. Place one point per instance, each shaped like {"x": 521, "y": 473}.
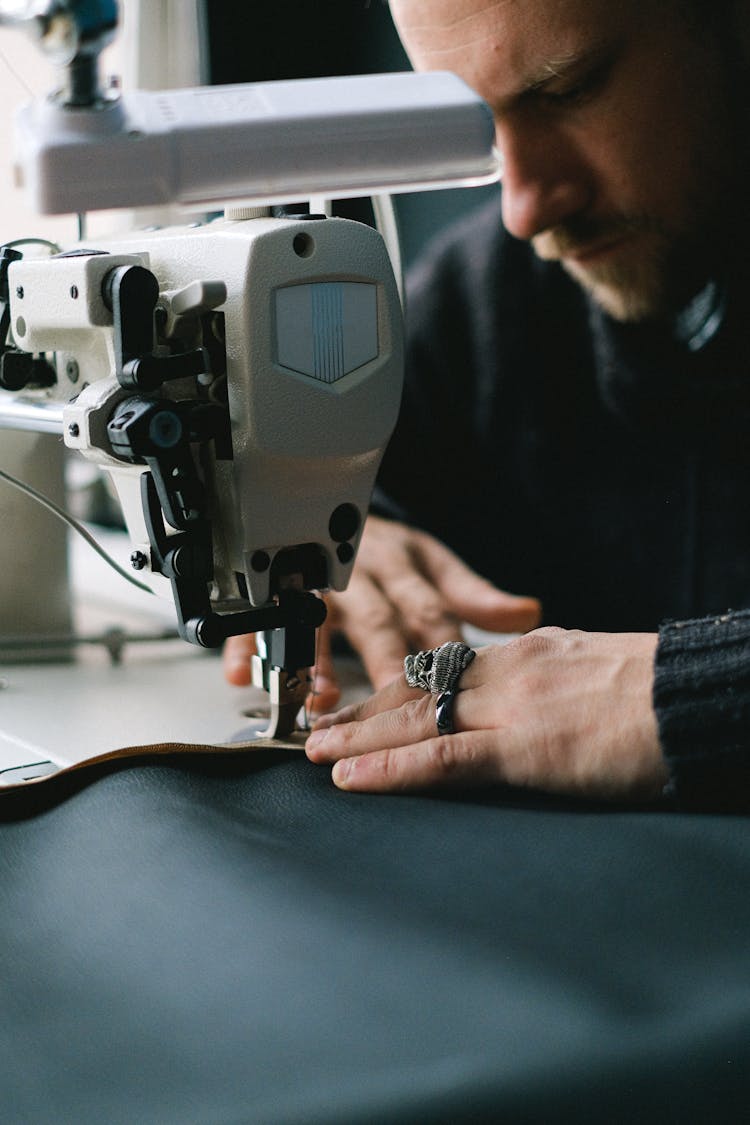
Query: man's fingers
{"x": 472, "y": 598}
{"x": 468, "y": 758}
{"x": 373, "y": 627}
{"x": 404, "y": 723}
{"x": 426, "y": 620}
{"x": 392, "y": 695}
{"x": 236, "y": 657}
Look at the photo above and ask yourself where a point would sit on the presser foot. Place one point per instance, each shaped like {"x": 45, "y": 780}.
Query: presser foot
{"x": 287, "y": 692}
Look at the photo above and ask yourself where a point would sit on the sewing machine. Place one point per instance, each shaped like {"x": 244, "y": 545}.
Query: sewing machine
{"x": 237, "y": 378}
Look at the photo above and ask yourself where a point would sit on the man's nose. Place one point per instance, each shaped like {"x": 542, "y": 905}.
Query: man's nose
{"x": 545, "y": 182}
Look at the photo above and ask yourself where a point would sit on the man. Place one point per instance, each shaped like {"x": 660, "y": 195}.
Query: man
{"x": 575, "y": 418}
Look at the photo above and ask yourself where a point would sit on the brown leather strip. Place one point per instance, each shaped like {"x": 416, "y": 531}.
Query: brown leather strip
{"x": 9, "y": 782}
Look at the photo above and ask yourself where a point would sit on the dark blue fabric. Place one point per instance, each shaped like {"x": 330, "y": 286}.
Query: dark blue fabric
{"x": 219, "y": 941}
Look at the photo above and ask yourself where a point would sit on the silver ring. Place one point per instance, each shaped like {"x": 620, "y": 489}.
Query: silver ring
{"x": 438, "y": 670}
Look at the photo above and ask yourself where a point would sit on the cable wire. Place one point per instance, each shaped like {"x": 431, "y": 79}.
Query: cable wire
{"x": 53, "y": 246}
{"x": 76, "y": 525}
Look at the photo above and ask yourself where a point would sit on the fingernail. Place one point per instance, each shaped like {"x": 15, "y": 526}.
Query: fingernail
{"x": 317, "y": 738}
{"x": 342, "y": 771}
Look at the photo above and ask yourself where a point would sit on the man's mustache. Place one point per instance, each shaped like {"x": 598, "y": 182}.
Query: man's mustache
{"x": 581, "y": 233}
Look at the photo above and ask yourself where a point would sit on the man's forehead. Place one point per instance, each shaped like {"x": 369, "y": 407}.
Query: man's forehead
{"x": 440, "y": 24}
{"x": 519, "y": 39}
{"x": 449, "y": 11}
{"x": 436, "y": 19}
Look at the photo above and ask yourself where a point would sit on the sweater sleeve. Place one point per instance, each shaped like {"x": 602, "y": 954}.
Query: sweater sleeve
{"x": 702, "y": 704}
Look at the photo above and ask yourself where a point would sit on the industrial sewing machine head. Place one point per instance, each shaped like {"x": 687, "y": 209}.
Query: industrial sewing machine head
{"x": 237, "y": 379}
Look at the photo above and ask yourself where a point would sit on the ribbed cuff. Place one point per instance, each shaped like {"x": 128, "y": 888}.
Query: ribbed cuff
{"x": 702, "y": 704}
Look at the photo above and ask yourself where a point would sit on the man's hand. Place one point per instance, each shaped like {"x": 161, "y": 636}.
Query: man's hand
{"x": 407, "y": 592}
{"x": 565, "y": 712}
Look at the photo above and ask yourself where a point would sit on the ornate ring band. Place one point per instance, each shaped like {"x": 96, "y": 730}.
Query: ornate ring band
{"x": 439, "y": 669}
{"x": 444, "y": 712}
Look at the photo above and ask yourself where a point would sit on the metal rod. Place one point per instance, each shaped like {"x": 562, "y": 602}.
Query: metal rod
{"x": 39, "y": 417}
{"x": 114, "y": 640}
{"x": 82, "y": 81}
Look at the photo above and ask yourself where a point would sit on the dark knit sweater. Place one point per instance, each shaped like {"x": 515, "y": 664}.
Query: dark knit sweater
{"x": 603, "y": 468}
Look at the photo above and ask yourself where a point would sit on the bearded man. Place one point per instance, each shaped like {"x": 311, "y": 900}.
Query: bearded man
{"x": 574, "y": 422}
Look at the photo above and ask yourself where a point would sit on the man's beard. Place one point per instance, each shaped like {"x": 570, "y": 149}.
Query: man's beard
{"x": 648, "y": 277}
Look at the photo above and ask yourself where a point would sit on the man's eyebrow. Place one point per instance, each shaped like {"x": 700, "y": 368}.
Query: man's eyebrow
{"x": 574, "y": 64}
{"x": 561, "y": 66}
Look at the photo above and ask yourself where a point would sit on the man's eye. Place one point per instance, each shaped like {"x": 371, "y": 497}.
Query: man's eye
{"x": 577, "y": 92}
{"x": 565, "y": 97}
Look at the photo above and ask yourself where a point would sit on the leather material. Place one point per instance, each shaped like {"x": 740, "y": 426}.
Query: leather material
{"x": 52, "y": 776}
{"x": 229, "y": 939}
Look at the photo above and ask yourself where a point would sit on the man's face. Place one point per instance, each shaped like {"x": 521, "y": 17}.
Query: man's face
{"x": 615, "y": 127}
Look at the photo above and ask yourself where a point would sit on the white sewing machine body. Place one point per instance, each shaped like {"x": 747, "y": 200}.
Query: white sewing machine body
{"x": 300, "y": 320}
